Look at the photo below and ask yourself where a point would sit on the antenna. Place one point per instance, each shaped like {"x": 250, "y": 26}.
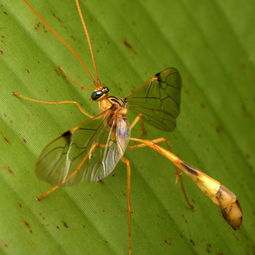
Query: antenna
{"x": 68, "y": 46}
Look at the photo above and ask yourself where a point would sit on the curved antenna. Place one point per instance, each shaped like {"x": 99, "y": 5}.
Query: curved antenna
{"x": 68, "y": 46}
{"x": 73, "y": 81}
{"x": 89, "y": 42}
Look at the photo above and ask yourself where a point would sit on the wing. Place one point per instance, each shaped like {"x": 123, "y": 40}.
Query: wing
{"x": 90, "y": 152}
{"x": 158, "y": 99}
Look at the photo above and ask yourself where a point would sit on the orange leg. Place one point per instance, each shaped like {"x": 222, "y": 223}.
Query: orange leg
{"x": 129, "y": 208}
{"x": 45, "y": 194}
{"x": 54, "y": 103}
{"x": 178, "y": 172}
{"x": 160, "y": 140}
{"x": 135, "y": 121}
{"x": 179, "y": 177}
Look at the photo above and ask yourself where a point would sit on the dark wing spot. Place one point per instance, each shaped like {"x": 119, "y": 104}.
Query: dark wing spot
{"x": 67, "y": 135}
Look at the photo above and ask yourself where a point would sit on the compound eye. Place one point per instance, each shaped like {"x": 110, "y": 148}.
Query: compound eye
{"x": 96, "y": 94}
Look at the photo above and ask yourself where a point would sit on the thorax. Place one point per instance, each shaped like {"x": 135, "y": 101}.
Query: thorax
{"x": 115, "y": 105}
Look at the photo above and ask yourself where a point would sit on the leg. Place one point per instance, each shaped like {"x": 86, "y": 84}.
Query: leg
{"x": 158, "y": 140}
{"x": 178, "y": 172}
{"x": 135, "y": 121}
{"x": 179, "y": 177}
{"x": 129, "y": 208}
{"x": 55, "y": 103}
{"x": 73, "y": 81}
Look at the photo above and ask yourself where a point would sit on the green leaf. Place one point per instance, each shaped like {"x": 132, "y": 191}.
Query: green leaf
{"x": 211, "y": 43}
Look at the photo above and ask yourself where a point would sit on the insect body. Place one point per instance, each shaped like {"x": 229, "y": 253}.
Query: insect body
{"x": 91, "y": 150}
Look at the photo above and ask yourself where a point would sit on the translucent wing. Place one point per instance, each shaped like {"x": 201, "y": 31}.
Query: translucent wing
{"x": 158, "y": 99}
{"x": 88, "y": 153}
